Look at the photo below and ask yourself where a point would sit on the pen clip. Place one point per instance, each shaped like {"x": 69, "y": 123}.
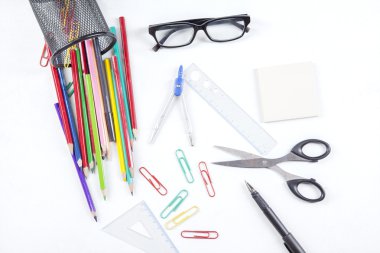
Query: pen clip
{"x": 45, "y": 56}
{"x": 206, "y": 179}
{"x": 153, "y": 181}
{"x": 174, "y": 204}
{"x": 197, "y": 234}
{"x": 182, "y": 217}
{"x": 186, "y": 170}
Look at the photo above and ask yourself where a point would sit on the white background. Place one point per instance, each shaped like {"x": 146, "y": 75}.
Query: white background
{"x": 43, "y": 209}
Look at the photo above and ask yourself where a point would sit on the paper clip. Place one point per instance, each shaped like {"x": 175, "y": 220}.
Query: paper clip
{"x": 45, "y": 57}
{"x": 206, "y": 179}
{"x": 197, "y": 234}
{"x": 181, "y": 218}
{"x": 183, "y": 163}
{"x": 153, "y": 181}
{"x": 174, "y": 204}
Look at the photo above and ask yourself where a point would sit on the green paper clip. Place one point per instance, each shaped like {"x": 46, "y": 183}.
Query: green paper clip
{"x": 174, "y": 204}
{"x": 184, "y": 165}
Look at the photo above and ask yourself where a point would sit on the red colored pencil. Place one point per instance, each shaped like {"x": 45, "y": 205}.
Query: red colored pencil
{"x": 65, "y": 120}
{"x": 78, "y": 107}
{"x": 123, "y": 113}
{"x": 131, "y": 101}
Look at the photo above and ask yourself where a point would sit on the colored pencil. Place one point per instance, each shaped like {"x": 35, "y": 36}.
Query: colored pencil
{"x": 79, "y": 171}
{"x": 123, "y": 85}
{"x": 65, "y": 120}
{"x": 98, "y": 152}
{"x": 85, "y": 72}
{"x": 124, "y": 40}
{"x": 71, "y": 119}
{"x": 105, "y": 92}
{"x": 124, "y": 122}
{"x": 78, "y": 107}
{"x": 97, "y": 97}
{"x": 116, "y": 118}
{"x": 86, "y": 126}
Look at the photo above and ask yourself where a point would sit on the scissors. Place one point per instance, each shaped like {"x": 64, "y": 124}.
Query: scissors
{"x": 296, "y": 154}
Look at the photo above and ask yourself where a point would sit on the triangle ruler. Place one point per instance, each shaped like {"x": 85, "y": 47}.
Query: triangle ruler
{"x": 150, "y": 237}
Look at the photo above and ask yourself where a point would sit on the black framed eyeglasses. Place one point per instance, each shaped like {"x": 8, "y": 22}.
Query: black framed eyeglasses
{"x": 182, "y": 33}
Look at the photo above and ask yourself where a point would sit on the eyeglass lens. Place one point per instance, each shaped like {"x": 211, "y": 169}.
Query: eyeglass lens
{"x": 226, "y": 29}
{"x": 175, "y": 35}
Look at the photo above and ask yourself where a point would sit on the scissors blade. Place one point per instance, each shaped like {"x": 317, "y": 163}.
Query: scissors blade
{"x": 240, "y": 153}
{"x": 236, "y": 163}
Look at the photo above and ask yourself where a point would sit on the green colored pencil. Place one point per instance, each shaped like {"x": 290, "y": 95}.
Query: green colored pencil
{"x": 84, "y": 112}
{"x": 98, "y": 152}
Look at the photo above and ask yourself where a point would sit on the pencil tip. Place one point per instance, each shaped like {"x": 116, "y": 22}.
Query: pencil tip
{"x": 96, "y": 218}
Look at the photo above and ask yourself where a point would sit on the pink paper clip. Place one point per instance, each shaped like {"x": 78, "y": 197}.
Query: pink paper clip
{"x": 153, "y": 181}
{"x": 45, "y": 56}
{"x": 193, "y": 234}
{"x": 206, "y": 179}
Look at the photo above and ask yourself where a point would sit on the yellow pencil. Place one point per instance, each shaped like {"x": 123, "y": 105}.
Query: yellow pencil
{"x": 115, "y": 113}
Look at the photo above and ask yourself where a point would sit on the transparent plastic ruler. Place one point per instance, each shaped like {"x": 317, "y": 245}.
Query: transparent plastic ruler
{"x": 155, "y": 240}
{"x": 229, "y": 110}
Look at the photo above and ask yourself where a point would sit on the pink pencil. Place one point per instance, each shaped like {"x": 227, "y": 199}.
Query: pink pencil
{"x": 103, "y": 136}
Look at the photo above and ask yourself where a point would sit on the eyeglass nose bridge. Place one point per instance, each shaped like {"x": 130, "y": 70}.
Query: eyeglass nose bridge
{"x": 201, "y": 27}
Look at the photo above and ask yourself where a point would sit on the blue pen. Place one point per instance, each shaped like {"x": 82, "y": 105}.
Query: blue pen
{"x": 123, "y": 86}
{"x": 70, "y": 117}
{"x": 176, "y": 94}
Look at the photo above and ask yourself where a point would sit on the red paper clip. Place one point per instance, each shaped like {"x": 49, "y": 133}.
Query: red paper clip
{"x": 206, "y": 179}
{"x": 192, "y": 234}
{"x": 45, "y": 56}
{"x": 153, "y": 181}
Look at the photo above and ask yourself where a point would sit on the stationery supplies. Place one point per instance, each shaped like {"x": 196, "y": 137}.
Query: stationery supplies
{"x": 95, "y": 134}
{"x": 78, "y": 107}
{"x": 181, "y": 218}
{"x": 296, "y": 154}
{"x": 287, "y": 91}
{"x": 105, "y": 92}
{"x": 206, "y": 179}
{"x": 186, "y": 170}
{"x": 127, "y": 142}
{"x": 182, "y": 33}
{"x": 174, "y": 204}
{"x": 155, "y": 241}
{"x": 198, "y": 234}
{"x": 80, "y": 174}
{"x": 66, "y": 23}
{"x": 62, "y": 105}
{"x": 116, "y": 120}
{"x": 90, "y": 158}
{"x": 289, "y": 241}
{"x": 100, "y": 119}
{"x": 228, "y": 109}
{"x": 127, "y": 67}
{"x": 116, "y": 50}
{"x": 176, "y": 94}
{"x": 153, "y": 181}
{"x": 71, "y": 119}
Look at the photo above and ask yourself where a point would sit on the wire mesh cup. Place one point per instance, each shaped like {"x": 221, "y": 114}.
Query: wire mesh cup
{"x": 64, "y": 23}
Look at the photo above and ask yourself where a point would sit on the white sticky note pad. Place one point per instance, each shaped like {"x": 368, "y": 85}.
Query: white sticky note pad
{"x": 288, "y": 92}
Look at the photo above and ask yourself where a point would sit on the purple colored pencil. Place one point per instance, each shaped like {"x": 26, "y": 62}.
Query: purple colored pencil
{"x": 80, "y": 173}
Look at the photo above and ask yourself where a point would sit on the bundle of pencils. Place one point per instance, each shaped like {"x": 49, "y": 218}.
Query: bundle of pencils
{"x": 104, "y": 110}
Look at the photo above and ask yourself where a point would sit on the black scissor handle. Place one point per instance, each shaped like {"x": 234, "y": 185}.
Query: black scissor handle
{"x": 298, "y": 149}
{"x": 294, "y": 183}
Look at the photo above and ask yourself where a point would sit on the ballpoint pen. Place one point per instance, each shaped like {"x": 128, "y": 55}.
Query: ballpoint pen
{"x": 289, "y": 241}
{"x": 177, "y": 93}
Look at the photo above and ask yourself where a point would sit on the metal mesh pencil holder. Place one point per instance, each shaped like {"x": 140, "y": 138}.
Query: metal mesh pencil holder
{"x": 65, "y": 23}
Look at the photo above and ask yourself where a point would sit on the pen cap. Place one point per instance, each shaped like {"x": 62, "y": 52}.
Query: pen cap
{"x": 65, "y": 23}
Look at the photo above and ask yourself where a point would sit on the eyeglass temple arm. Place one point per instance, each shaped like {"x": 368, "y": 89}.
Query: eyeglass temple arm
{"x": 170, "y": 32}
